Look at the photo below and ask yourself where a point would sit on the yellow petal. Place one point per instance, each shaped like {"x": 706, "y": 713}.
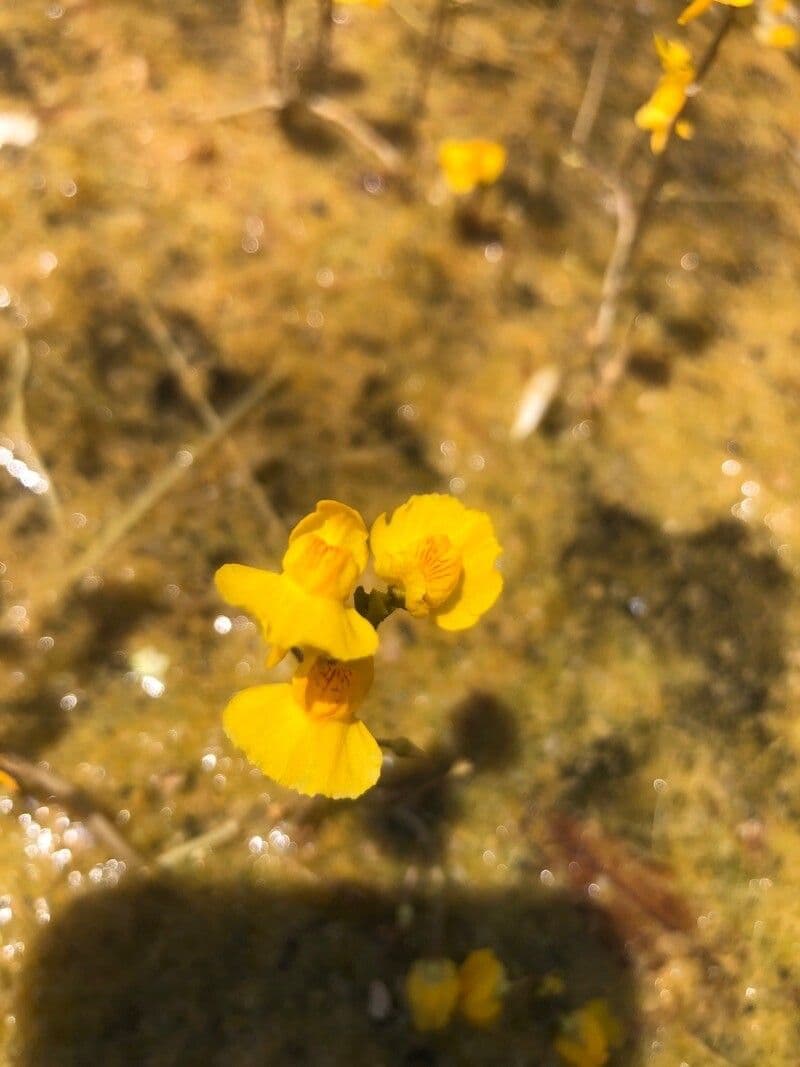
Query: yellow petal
{"x": 8, "y": 784}
{"x": 684, "y": 129}
{"x": 784, "y": 36}
{"x": 673, "y": 55}
{"x": 290, "y": 617}
{"x": 330, "y": 688}
{"x": 337, "y": 524}
{"x": 693, "y": 11}
{"x": 432, "y": 989}
{"x": 466, "y": 164}
{"x": 482, "y": 980}
{"x": 327, "y": 550}
{"x": 658, "y": 141}
{"x": 313, "y": 756}
{"x": 442, "y": 555}
{"x": 491, "y": 161}
{"x": 250, "y": 588}
{"x": 481, "y": 583}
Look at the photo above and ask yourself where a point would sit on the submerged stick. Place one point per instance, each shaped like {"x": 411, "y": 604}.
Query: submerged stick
{"x": 45, "y": 784}
{"x": 191, "y": 386}
{"x": 431, "y": 51}
{"x": 162, "y": 483}
{"x": 632, "y": 220}
{"x": 17, "y": 424}
{"x": 323, "y": 107}
{"x": 596, "y": 82}
{"x": 322, "y": 58}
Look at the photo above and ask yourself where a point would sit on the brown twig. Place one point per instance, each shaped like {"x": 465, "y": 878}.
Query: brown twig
{"x": 40, "y": 781}
{"x": 596, "y": 82}
{"x": 359, "y": 131}
{"x": 322, "y": 58}
{"x": 473, "y": 53}
{"x": 273, "y": 31}
{"x": 17, "y": 425}
{"x": 327, "y": 110}
{"x": 144, "y": 502}
{"x": 192, "y": 387}
{"x": 429, "y": 56}
{"x": 632, "y": 219}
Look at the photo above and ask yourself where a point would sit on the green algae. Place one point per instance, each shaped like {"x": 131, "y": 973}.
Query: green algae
{"x": 640, "y": 670}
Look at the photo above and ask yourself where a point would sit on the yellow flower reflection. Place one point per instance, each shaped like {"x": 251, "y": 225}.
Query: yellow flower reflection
{"x": 699, "y": 7}
{"x": 661, "y": 111}
{"x": 588, "y": 1035}
{"x": 305, "y": 733}
{"x": 482, "y": 981}
{"x": 441, "y": 556}
{"x": 432, "y": 989}
{"x": 468, "y": 164}
{"x": 305, "y": 604}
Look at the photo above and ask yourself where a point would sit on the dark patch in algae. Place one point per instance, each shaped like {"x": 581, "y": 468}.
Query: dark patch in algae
{"x": 166, "y": 974}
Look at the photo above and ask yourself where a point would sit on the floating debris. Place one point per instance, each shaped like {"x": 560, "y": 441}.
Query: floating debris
{"x": 18, "y": 129}
{"x": 537, "y": 396}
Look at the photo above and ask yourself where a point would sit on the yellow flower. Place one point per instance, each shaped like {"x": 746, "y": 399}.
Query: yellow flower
{"x": 467, "y": 164}
{"x": 783, "y": 36}
{"x": 441, "y": 555}
{"x": 661, "y": 111}
{"x": 482, "y": 980}
{"x": 305, "y": 733}
{"x": 588, "y": 1035}
{"x": 8, "y": 784}
{"x": 432, "y": 989}
{"x": 304, "y": 606}
{"x": 777, "y": 24}
{"x": 699, "y": 7}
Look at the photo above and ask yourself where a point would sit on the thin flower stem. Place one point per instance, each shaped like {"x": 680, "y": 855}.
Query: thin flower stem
{"x": 632, "y": 221}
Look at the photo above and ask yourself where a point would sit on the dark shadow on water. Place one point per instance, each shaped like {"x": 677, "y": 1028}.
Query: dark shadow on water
{"x": 715, "y": 597}
{"x": 95, "y": 639}
{"x": 485, "y": 731}
{"x": 169, "y": 974}
{"x": 307, "y": 133}
{"x": 411, "y": 812}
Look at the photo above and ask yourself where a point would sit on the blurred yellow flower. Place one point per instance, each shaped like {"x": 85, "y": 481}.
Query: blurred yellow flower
{"x": 588, "y": 1035}
{"x": 467, "y": 164}
{"x": 699, "y": 7}
{"x": 661, "y": 111}
{"x": 362, "y": 3}
{"x": 432, "y": 989}
{"x": 441, "y": 556}
{"x": 482, "y": 981}
{"x": 305, "y": 733}
{"x": 305, "y": 604}
{"x": 777, "y": 26}
{"x": 8, "y": 784}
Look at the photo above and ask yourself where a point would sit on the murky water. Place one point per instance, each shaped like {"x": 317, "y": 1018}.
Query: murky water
{"x": 209, "y": 319}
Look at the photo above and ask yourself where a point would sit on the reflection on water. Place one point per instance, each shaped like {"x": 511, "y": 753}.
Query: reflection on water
{"x": 213, "y": 313}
